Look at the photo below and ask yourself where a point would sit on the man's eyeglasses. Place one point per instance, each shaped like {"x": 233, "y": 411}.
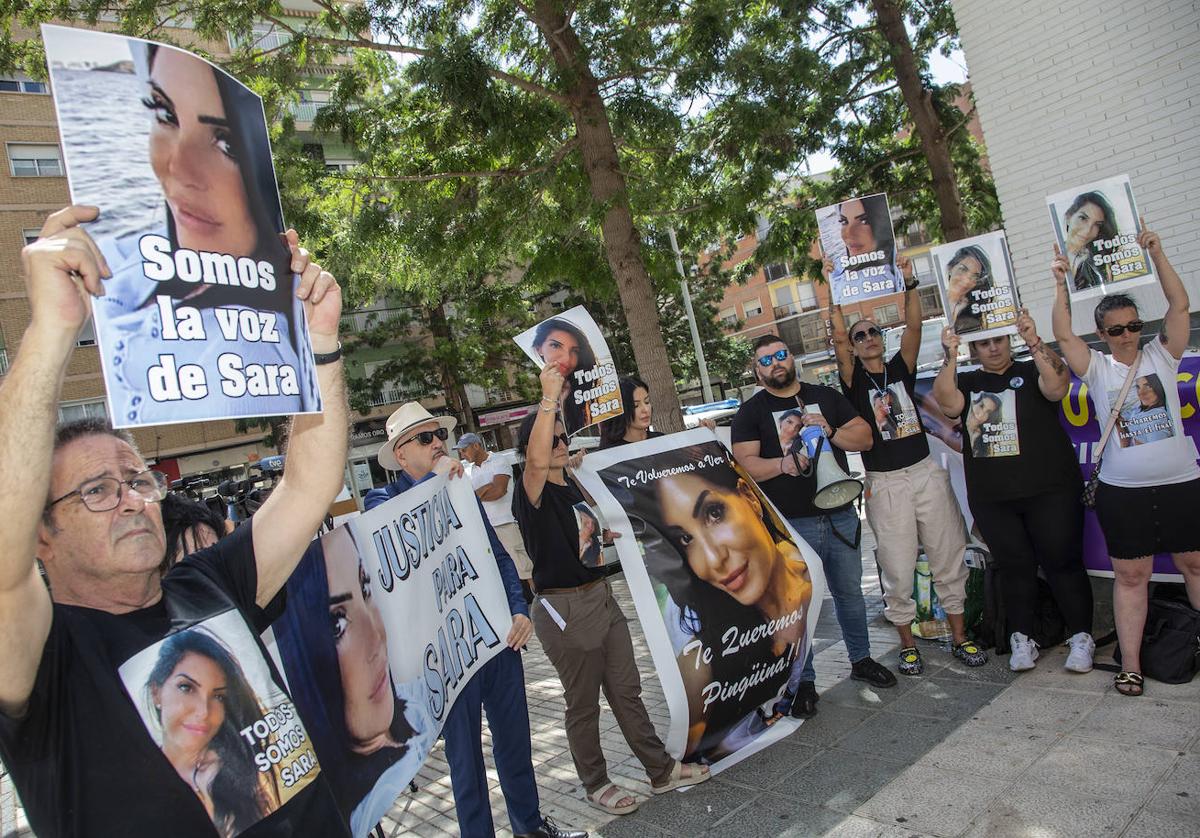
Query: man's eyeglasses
{"x": 105, "y": 493}
{"x": 1134, "y": 326}
{"x": 869, "y": 332}
{"x": 767, "y": 360}
{"x": 426, "y": 437}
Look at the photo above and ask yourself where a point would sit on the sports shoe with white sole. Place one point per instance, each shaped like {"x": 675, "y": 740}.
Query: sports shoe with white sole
{"x": 1082, "y": 649}
{"x": 1024, "y": 652}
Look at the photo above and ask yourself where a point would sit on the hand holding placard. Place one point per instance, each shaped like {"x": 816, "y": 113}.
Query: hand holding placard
{"x": 62, "y": 268}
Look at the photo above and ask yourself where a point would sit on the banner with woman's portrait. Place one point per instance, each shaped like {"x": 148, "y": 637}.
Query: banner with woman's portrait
{"x": 1096, "y": 227}
{"x": 199, "y": 320}
{"x": 573, "y": 341}
{"x": 858, "y": 237}
{"x": 975, "y": 277}
{"x": 727, "y": 593}
{"x": 389, "y": 616}
{"x": 206, "y": 696}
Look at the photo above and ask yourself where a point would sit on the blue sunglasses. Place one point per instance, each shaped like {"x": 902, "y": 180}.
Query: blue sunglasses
{"x": 767, "y": 360}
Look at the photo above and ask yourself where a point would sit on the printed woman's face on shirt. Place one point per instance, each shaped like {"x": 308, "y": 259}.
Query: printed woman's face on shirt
{"x": 722, "y": 534}
{"x": 788, "y": 428}
{"x": 191, "y": 703}
{"x": 192, "y": 158}
{"x": 1083, "y": 226}
{"x": 856, "y": 228}
{"x": 561, "y": 348}
{"x": 361, "y": 642}
{"x": 1146, "y": 394}
{"x": 964, "y": 276}
{"x": 983, "y": 410}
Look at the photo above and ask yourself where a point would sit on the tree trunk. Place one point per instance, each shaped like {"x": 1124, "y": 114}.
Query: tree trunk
{"x": 925, "y": 119}
{"x": 452, "y": 386}
{"x": 622, "y": 244}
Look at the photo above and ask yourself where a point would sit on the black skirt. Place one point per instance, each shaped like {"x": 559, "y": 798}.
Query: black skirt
{"x": 1142, "y": 521}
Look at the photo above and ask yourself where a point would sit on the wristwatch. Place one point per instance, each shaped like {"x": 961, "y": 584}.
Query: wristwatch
{"x": 910, "y": 284}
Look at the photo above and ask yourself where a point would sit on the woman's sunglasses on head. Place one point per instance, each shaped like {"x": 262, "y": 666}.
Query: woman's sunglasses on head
{"x": 426, "y": 437}
{"x": 1134, "y": 326}
{"x": 767, "y": 360}
{"x": 869, "y": 332}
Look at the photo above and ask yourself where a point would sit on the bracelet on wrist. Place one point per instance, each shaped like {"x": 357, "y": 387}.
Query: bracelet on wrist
{"x": 548, "y": 409}
{"x": 548, "y": 400}
{"x": 320, "y": 358}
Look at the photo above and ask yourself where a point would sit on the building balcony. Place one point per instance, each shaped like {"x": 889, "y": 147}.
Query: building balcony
{"x": 794, "y": 309}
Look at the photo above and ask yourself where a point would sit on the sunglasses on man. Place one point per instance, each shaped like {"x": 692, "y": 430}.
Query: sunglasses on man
{"x": 869, "y": 332}
{"x": 426, "y": 437}
{"x": 1134, "y": 326}
{"x": 767, "y": 360}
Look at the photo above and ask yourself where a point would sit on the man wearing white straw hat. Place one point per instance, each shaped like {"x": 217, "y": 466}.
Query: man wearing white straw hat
{"x": 416, "y": 449}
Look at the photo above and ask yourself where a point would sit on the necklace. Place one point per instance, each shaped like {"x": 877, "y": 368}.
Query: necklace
{"x": 882, "y": 391}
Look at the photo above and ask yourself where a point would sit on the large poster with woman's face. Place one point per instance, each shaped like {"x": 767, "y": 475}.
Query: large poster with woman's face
{"x": 857, "y": 235}
{"x": 199, "y": 319}
{"x": 975, "y": 277}
{"x": 206, "y": 696}
{"x": 1096, "y": 226}
{"x": 388, "y": 617}
{"x": 572, "y": 340}
{"x": 727, "y": 593}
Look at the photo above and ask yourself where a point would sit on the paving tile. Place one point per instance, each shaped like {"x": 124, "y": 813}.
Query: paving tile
{"x": 1027, "y": 808}
{"x": 839, "y": 780}
{"x": 1091, "y": 766}
{"x": 860, "y": 694}
{"x": 628, "y": 827}
{"x": 770, "y": 767}
{"x": 897, "y": 736}
{"x": 945, "y": 698}
{"x": 1179, "y": 792}
{"x": 769, "y": 816}
{"x": 989, "y": 751}
{"x": 832, "y": 723}
{"x": 1143, "y": 721}
{"x": 1037, "y": 710}
{"x": 855, "y": 826}
{"x": 918, "y": 800}
{"x": 1149, "y": 824}
{"x": 690, "y": 813}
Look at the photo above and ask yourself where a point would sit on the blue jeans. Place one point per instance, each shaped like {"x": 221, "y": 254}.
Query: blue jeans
{"x": 843, "y": 574}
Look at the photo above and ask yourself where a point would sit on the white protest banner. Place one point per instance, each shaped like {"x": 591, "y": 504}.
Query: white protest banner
{"x": 388, "y": 617}
{"x": 858, "y": 238}
{"x": 1096, "y": 227}
{"x": 573, "y": 341}
{"x": 975, "y": 277}
{"x": 199, "y": 319}
{"x": 727, "y": 593}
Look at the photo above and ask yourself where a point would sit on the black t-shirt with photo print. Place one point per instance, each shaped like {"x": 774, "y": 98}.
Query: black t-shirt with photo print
{"x": 758, "y": 419}
{"x": 1014, "y": 446}
{"x": 887, "y": 401}
{"x": 82, "y": 758}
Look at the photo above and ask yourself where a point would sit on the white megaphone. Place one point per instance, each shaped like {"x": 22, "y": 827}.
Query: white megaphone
{"x": 834, "y": 487}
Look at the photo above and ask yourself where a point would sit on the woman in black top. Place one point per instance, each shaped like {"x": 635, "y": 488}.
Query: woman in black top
{"x": 1023, "y": 482}
{"x": 579, "y": 624}
{"x": 634, "y": 424}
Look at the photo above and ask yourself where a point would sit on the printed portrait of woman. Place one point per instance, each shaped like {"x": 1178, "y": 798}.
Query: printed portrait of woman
{"x": 885, "y": 419}
{"x": 591, "y": 553}
{"x": 208, "y": 149}
{"x": 1144, "y": 418}
{"x": 727, "y": 566}
{"x": 968, "y": 273}
{"x": 865, "y": 226}
{"x": 985, "y": 409}
{"x": 1089, "y": 217}
{"x": 791, "y": 423}
{"x": 200, "y": 700}
{"x": 558, "y": 341}
{"x": 371, "y": 734}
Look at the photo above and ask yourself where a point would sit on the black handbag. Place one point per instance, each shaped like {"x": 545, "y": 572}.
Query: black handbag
{"x": 1088, "y": 498}
{"x": 1170, "y": 642}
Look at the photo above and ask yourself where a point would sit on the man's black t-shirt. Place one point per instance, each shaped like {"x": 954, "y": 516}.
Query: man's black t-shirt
{"x": 83, "y": 758}
{"x": 759, "y": 419}
{"x": 1013, "y": 444}
{"x": 887, "y": 401}
{"x": 551, "y": 534}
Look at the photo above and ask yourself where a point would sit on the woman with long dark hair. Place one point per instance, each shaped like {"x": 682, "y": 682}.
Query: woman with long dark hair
{"x": 201, "y": 700}
{"x": 634, "y": 424}
{"x": 968, "y": 273}
{"x": 1089, "y": 217}
{"x": 562, "y": 343}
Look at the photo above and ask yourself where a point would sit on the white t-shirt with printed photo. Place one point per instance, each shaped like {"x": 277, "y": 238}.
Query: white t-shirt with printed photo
{"x": 1148, "y": 446}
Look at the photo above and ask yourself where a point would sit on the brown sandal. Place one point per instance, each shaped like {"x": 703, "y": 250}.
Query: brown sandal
{"x": 608, "y": 799}
{"x": 677, "y": 780}
{"x": 1129, "y": 683}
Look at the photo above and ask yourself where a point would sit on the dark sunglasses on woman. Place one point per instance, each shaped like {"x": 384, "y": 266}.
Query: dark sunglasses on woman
{"x": 869, "y": 332}
{"x": 1134, "y": 326}
{"x": 563, "y": 438}
{"x": 767, "y": 360}
{"x": 426, "y": 437}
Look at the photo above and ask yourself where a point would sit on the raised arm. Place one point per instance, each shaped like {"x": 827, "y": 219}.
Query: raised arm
{"x": 62, "y": 268}
{"x": 317, "y": 444}
{"x": 945, "y": 385}
{"x": 1073, "y": 348}
{"x": 841, "y": 337}
{"x": 1177, "y": 321}
{"x": 910, "y": 340}
{"x": 1053, "y": 379}
{"x": 541, "y": 438}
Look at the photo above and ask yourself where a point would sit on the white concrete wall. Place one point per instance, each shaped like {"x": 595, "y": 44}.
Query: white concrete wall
{"x": 1070, "y": 92}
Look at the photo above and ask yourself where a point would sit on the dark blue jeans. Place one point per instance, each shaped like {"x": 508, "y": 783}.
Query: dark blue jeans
{"x": 843, "y": 574}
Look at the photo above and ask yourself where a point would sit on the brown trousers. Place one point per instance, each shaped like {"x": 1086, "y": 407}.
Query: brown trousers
{"x": 595, "y": 652}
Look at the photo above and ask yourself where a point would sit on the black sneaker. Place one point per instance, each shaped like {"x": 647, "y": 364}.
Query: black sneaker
{"x": 549, "y": 829}
{"x": 910, "y": 661}
{"x": 872, "y": 672}
{"x": 804, "y": 705}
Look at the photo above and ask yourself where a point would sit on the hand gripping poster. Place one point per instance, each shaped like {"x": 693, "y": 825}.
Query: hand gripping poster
{"x": 727, "y": 593}
{"x": 572, "y": 340}
{"x": 388, "y": 617}
{"x": 858, "y": 238}
{"x": 1096, "y": 227}
{"x": 199, "y": 319}
{"x": 975, "y": 277}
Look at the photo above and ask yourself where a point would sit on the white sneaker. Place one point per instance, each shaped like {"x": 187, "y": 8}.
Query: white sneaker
{"x": 1082, "y": 648}
{"x": 1024, "y": 652}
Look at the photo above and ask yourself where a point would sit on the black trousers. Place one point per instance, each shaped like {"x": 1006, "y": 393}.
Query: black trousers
{"x": 1042, "y": 531}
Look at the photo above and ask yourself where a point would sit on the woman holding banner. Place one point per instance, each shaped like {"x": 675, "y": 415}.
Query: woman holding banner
{"x": 634, "y": 424}
{"x": 1147, "y": 494}
{"x": 1023, "y": 484}
{"x": 579, "y": 624}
